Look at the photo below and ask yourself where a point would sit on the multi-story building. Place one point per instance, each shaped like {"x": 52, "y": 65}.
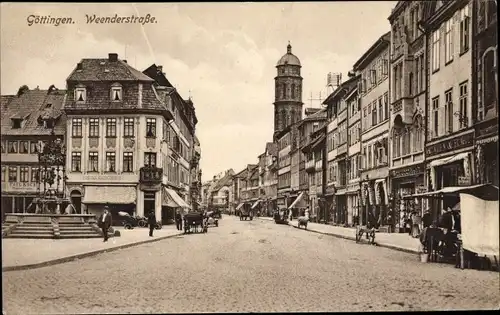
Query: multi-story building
{"x": 114, "y": 143}
{"x": 239, "y": 183}
{"x": 222, "y": 193}
{"x": 353, "y": 191}
{"x": 313, "y": 120}
{"x": 250, "y": 190}
{"x": 314, "y": 150}
{"x": 337, "y": 148}
{"x": 268, "y": 178}
{"x": 408, "y": 88}
{"x": 28, "y": 120}
{"x": 374, "y": 93}
{"x": 284, "y": 139}
{"x": 181, "y": 158}
{"x": 288, "y": 91}
{"x": 195, "y": 188}
{"x": 450, "y": 138}
{"x": 484, "y": 89}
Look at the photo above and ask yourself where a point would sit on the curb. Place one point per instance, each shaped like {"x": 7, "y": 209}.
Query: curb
{"x": 350, "y": 238}
{"x": 83, "y": 255}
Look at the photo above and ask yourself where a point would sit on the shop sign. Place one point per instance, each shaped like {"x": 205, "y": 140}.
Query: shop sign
{"x": 407, "y": 171}
{"x": 456, "y": 143}
{"x": 18, "y": 186}
{"x": 487, "y": 129}
{"x": 464, "y": 181}
{"x": 103, "y": 177}
{"x": 420, "y": 189}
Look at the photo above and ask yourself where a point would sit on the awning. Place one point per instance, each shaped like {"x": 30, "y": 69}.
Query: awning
{"x": 109, "y": 194}
{"x": 486, "y": 191}
{"x": 239, "y": 206}
{"x": 255, "y": 204}
{"x": 296, "y": 200}
{"x": 175, "y": 200}
{"x": 449, "y": 160}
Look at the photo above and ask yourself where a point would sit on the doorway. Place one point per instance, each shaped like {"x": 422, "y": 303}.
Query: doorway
{"x": 76, "y": 201}
{"x": 149, "y": 202}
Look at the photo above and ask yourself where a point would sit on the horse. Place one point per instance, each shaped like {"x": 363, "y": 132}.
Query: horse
{"x": 302, "y": 220}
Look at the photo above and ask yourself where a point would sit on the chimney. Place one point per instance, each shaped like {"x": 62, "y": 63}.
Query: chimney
{"x": 79, "y": 66}
{"x": 124, "y": 60}
{"x": 113, "y": 57}
{"x": 159, "y": 68}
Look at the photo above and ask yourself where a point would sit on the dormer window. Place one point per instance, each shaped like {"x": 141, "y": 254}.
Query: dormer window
{"x": 116, "y": 93}
{"x": 80, "y": 95}
{"x": 16, "y": 123}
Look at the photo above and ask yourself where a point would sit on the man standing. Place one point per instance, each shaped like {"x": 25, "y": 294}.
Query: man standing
{"x": 151, "y": 222}
{"x": 105, "y": 222}
{"x": 178, "y": 220}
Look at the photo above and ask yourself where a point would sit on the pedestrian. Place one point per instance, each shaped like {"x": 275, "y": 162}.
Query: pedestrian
{"x": 105, "y": 222}
{"x": 427, "y": 219}
{"x": 151, "y": 222}
{"x": 178, "y": 220}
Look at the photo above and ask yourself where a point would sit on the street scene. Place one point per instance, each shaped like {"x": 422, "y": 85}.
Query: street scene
{"x": 254, "y": 266}
{"x": 168, "y": 158}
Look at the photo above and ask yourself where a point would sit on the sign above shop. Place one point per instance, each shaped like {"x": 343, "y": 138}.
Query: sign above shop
{"x": 412, "y": 170}
{"x": 456, "y": 143}
{"x": 464, "y": 181}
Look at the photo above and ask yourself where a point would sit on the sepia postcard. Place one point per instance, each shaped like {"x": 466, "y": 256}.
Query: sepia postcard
{"x": 249, "y": 157}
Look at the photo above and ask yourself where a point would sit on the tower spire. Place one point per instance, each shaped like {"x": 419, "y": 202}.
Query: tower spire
{"x": 289, "y": 48}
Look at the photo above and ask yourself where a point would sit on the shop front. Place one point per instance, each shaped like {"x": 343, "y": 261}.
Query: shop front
{"x": 407, "y": 180}
{"x": 171, "y": 202}
{"x": 341, "y": 207}
{"x": 487, "y": 160}
{"x": 367, "y": 202}
{"x": 353, "y": 209}
{"x": 117, "y": 198}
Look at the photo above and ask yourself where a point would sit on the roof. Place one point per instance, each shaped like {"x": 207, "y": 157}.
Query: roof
{"x": 30, "y": 106}
{"x": 344, "y": 87}
{"x": 288, "y": 58}
{"x": 382, "y": 41}
{"x": 95, "y": 70}
{"x": 272, "y": 148}
{"x": 254, "y": 173}
{"x": 319, "y": 115}
{"x": 225, "y": 180}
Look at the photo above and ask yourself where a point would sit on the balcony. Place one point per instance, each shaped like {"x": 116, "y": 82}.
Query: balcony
{"x": 405, "y": 108}
{"x": 150, "y": 175}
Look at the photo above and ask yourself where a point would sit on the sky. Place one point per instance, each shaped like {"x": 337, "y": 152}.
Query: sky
{"x": 222, "y": 54}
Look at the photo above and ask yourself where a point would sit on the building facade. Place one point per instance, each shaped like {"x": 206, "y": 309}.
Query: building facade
{"x": 28, "y": 120}
{"x": 180, "y": 161}
{"x": 408, "y": 117}
{"x": 268, "y": 180}
{"x": 114, "y": 148}
{"x": 374, "y": 69}
{"x": 450, "y": 137}
{"x": 485, "y": 90}
{"x": 288, "y": 91}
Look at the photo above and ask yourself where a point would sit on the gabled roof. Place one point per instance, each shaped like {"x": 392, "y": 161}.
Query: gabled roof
{"x": 30, "y": 106}
{"x": 225, "y": 180}
{"x": 317, "y": 116}
{"x": 254, "y": 173}
{"x": 342, "y": 89}
{"x": 105, "y": 70}
{"x": 381, "y": 43}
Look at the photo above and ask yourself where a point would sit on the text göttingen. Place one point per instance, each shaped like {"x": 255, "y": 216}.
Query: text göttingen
{"x": 91, "y": 19}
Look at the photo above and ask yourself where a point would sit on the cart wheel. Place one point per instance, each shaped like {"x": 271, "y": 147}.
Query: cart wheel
{"x": 128, "y": 227}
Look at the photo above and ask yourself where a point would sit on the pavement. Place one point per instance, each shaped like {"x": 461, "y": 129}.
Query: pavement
{"x": 396, "y": 241}
{"x": 21, "y": 254}
{"x": 248, "y": 266}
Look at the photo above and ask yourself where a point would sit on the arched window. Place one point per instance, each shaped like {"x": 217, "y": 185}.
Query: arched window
{"x": 396, "y": 142}
{"x": 283, "y": 119}
{"x": 417, "y": 134}
{"x": 283, "y": 92}
{"x": 293, "y": 92}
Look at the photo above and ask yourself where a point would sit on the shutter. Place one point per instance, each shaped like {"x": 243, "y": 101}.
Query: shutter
{"x": 441, "y": 126}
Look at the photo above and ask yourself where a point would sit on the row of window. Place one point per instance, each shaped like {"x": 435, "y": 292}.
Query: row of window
{"x": 115, "y": 93}
{"x": 448, "y": 31}
{"x": 288, "y": 91}
{"x": 408, "y": 140}
{"x": 20, "y": 146}
{"x": 376, "y": 112}
{"x": 374, "y": 155}
{"x": 110, "y": 165}
{"x": 375, "y": 74}
{"x": 284, "y": 180}
{"x": 23, "y": 174}
{"x": 455, "y": 116}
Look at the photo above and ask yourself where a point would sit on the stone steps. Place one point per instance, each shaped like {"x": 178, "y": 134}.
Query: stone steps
{"x": 31, "y": 232}
{"x": 39, "y": 236}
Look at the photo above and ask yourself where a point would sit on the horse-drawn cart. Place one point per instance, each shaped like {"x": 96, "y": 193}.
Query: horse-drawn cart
{"x": 195, "y": 222}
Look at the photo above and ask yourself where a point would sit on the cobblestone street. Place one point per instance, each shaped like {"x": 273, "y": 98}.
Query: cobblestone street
{"x": 249, "y": 266}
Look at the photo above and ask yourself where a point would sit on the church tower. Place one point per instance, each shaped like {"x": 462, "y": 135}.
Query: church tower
{"x": 287, "y": 91}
